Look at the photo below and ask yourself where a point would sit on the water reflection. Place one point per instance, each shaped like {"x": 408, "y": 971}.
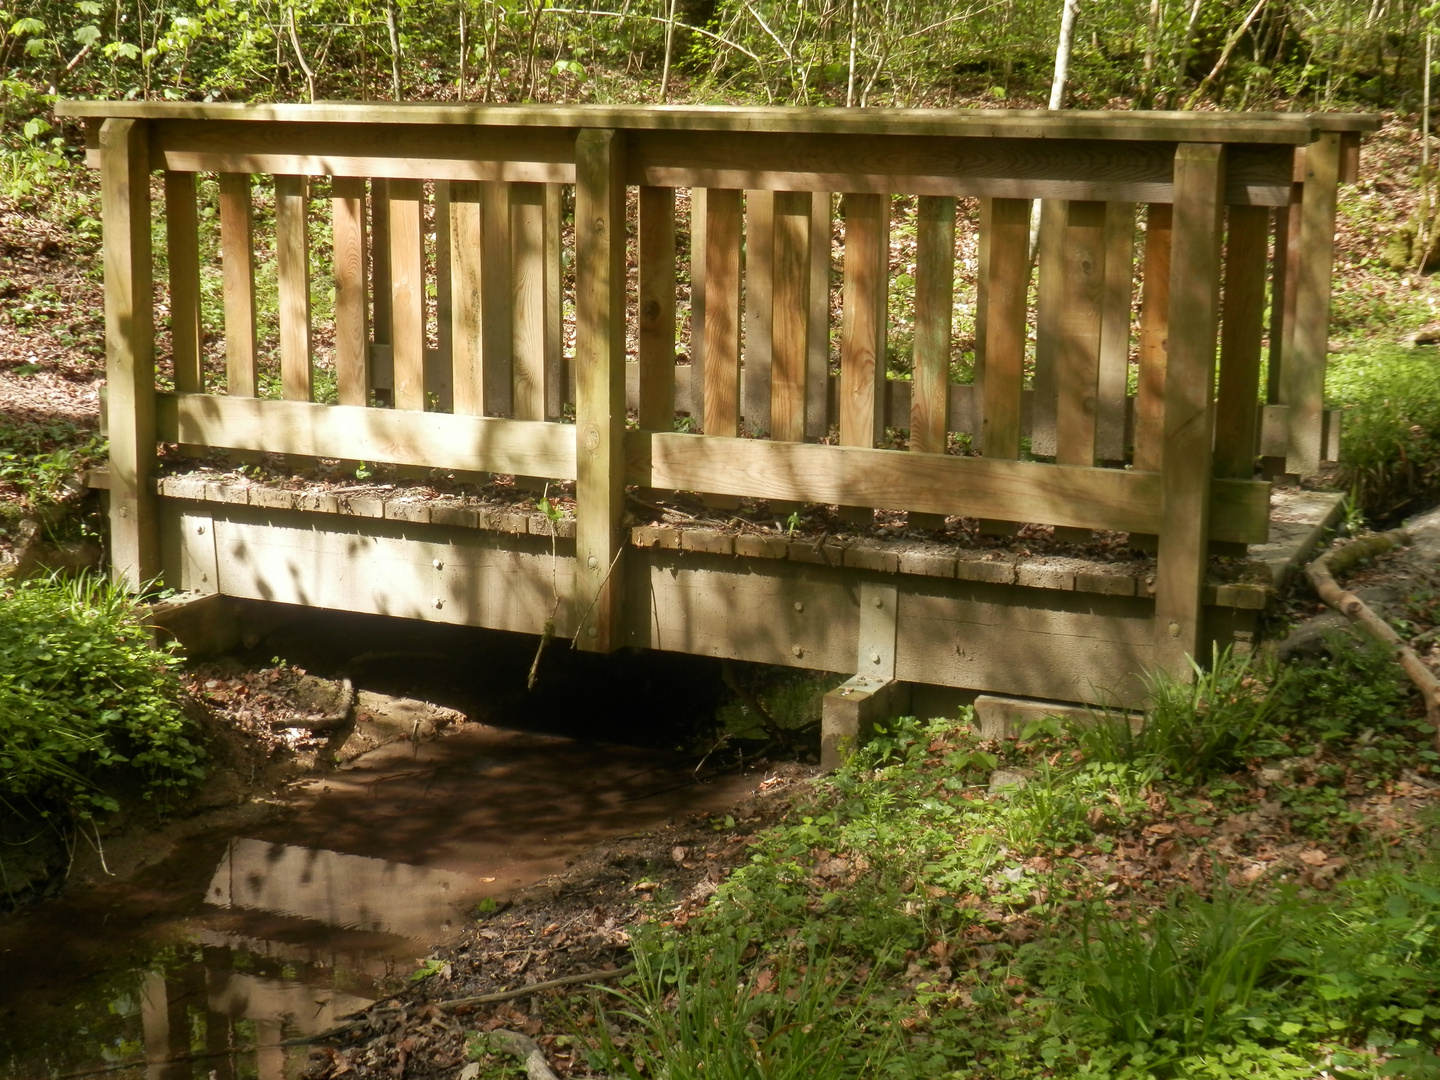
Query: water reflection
{"x": 351, "y": 891}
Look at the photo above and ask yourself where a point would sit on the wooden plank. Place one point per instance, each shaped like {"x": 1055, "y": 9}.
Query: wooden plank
{"x": 1115, "y": 332}
{"x": 1049, "y": 316}
{"x": 817, "y": 362}
{"x": 1260, "y": 128}
{"x": 380, "y": 260}
{"x": 182, "y": 243}
{"x": 657, "y": 309}
{"x": 1082, "y": 290}
{"x": 790, "y": 323}
{"x": 559, "y": 379}
{"x": 407, "y": 292}
{"x": 983, "y": 225}
{"x": 431, "y": 440}
{"x": 1007, "y": 275}
{"x": 237, "y": 255}
{"x": 930, "y": 483}
{"x": 439, "y": 379}
{"x": 466, "y": 299}
{"x": 1303, "y": 379}
{"x": 600, "y": 388}
{"x": 722, "y": 312}
{"x": 1154, "y": 338}
{"x": 352, "y": 352}
{"x": 529, "y": 289}
{"x": 129, "y": 351}
{"x": 699, "y": 252}
{"x": 862, "y": 330}
{"x": 292, "y": 258}
{"x": 1242, "y": 326}
{"x": 1185, "y": 535}
{"x": 1282, "y": 294}
{"x": 759, "y": 269}
{"x": 934, "y": 307}
{"x": 497, "y": 326}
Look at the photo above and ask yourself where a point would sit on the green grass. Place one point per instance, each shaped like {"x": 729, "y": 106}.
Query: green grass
{"x": 1390, "y": 441}
{"x": 947, "y": 931}
{"x": 87, "y": 704}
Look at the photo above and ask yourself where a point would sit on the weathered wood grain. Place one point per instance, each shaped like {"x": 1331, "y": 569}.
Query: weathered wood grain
{"x": 934, "y": 308}
{"x": 352, "y": 332}
{"x": 400, "y": 437}
{"x": 599, "y": 388}
{"x": 863, "y": 320}
{"x": 407, "y": 292}
{"x": 817, "y": 362}
{"x": 1077, "y": 354}
{"x": 656, "y": 246}
{"x": 1242, "y": 327}
{"x": 758, "y": 351}
{"x": 1006, "y": 273}
{"x": 129, "y": 351}
{"x": 790, "y": 322}
{"x": 529, "y": 290}
{"x": 1115, "y": 332}
{"x": 1154, "y": 338}
{"x": 237, "y": 255}
{"x": 497, "y": 326}
{"x": 292, "y": 259}
{"x": 182, "y": 244}
{"x": 467, "y": 292}
{"x": 722, "y": 312}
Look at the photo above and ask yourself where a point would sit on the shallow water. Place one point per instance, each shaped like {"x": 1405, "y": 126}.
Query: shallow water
{"x": 238, "y": 942}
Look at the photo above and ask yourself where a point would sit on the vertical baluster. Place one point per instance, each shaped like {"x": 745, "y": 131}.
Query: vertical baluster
{"x": 528, "y": 268}
{"x": 467, "y": 336}
{"x": 182, "y": 241}
{"x": 722, "y": 312}
{"x": 382, "y": 365}
{"x": 1242, "y": 327}
{"x": 759, "y": 309}
{"x": 862, "y": 329}
{"x": 1005, "y": 272}
{"x": 1049, "y": 308}
{"x": 352, "y": 333}
{"x": 237, "y": 254}
{"x": 559, "y": 380}
{"x": 1115, "y": 332}
{"x": 497, "y": 298}
{"x": 292, "y": 258}
{"x": 657, "y": 309}
{"x": 1154, "y": 336}
{"x": 790, "y": 314}
{"x": 693, "y": 400}
{"x": 439, "y": 365}
{"x": 934, "y": 309}
{"x": 407, "y": 292}
{"x": 817, "y": 363}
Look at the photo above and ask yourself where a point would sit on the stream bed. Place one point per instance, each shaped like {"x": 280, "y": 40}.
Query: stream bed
{"x": 280, "y": 924}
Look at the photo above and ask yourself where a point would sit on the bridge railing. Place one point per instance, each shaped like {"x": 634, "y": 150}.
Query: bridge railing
{"x": 492, "y": 270}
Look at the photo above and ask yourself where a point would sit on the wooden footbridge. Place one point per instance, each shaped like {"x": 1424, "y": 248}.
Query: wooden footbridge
{"x": 508, "y": 286}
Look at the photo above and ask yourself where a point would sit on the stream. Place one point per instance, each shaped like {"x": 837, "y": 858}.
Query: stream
{"x": 275, "y": 928}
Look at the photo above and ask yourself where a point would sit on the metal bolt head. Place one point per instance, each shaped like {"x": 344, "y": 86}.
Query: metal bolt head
{"x": 199, "y": 530}
{"x": 799, "y": 606}
{"x": 438, "y": 565}
{"x": 594, "y": 564}
{"x": 1174, "y": 629}
{"x": 879, "y": 602}
{"x": 874, "y": 658}
{"x": 797, "y": 650}
{"x": 592, "y": 632}
{"x": 439, "y": 603}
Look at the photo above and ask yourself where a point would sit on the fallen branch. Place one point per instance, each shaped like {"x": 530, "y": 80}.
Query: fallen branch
{"x": 478, "y": 999}
{"x": 527, "y": 1050}
{"x": 1322, "y": 573}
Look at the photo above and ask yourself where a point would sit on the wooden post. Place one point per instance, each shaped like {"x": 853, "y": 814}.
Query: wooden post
{"x": 352, "y": 332}
{"x": 440, "y": 375}
{"x": 407, "y": 292}
{"x": 292, "y": 257}
{"x": 1081, "y": 290}
{"x": 1237, "y": 408}
{"x": 1188, "y": 418}
{"x": 467, "y": 335}
{"x": 382, "y": 369}
{"x": 657, "y": 309}
{"x": 722, "y": 312}
{"x": 759, "y": 310}
{"x": 1282, "y": 292}
{"x": 237, "y": 254}
{"x": 1303, "y": 379}
{"x": 599, "y": 387}
{"x": 129, "y": 350}
{"x": 934, "y": 305}
{"x": 699, "y": 201}
{"x": 1154, "y": 337}
{"x": 790, "y": 318}
{"x": 182, "y": 242}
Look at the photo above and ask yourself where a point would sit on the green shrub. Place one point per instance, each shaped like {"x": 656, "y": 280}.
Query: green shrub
{"x": 84, "y": 695}
{"x": 1390, "y": 440}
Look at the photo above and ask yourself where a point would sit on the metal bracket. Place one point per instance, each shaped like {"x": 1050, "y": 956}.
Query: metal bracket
{"x": 876, "y": 654}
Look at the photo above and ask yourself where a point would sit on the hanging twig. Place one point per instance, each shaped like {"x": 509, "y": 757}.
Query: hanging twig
{"x": 300, "y": 56}
{"x": 1215, "y": 71}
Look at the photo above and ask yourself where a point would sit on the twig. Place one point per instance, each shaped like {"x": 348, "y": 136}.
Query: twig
{"x": 1322, "y": 572}
{"x": 575, "y": 641}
